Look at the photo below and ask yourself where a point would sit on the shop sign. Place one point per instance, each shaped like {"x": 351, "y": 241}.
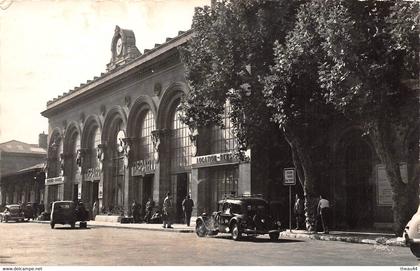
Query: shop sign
{"x": 143, "y": 167}
{"x": 55, "y": 180}
{"x": 93, "y": 174}
{"x": 214, "y": 159}
{"x": 383, "y": 186}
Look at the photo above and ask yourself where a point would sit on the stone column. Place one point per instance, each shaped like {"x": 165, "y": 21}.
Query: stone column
{"x": 244, "y": 182}
{"x": 162, "y": 179}
{"x": 194, "y": 190}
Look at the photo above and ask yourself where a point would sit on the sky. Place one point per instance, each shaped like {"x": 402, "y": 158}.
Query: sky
{"x": 48, "y": 47}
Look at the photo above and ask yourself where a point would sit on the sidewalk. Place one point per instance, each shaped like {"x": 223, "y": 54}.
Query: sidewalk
{"x": 385, "y": 239}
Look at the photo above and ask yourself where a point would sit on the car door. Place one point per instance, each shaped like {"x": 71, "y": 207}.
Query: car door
{"x": 225, "y": 217}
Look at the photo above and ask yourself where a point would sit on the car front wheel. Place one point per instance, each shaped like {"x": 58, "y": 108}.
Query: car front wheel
{"x": 200, "y": 229}
{"x": 415, "y": 249}
{"x": 52, "y": 225}
{"x": 236, "y": 233}
{"x": 274, "y": 236}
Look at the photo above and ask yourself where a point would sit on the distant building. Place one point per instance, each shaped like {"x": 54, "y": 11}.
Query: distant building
{"x": 22, "y": 171}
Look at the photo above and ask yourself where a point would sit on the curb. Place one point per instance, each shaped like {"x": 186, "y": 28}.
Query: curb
{"x": 376, "y": 241}
{"x": 383, "y": 241}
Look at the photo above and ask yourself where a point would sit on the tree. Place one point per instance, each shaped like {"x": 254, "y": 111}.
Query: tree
{"x": 231, "y": 48}
{"x": 372, "y": 51}
{"x": 293, "y": 91}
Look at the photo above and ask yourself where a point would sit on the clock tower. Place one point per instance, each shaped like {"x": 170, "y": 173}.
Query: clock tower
{"x": 123, "y": 48}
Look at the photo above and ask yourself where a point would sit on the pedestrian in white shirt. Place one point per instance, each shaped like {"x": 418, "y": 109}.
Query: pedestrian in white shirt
{"x": 324, "y": 212}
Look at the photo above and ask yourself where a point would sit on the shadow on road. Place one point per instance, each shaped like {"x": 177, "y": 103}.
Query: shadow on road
{"x": 3, "y": 261}
{"x": 258, "y": 240}
{"x": 70, "y": 228}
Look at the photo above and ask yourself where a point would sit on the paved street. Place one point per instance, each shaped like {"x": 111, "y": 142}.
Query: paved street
{"x": 37, "y": 244}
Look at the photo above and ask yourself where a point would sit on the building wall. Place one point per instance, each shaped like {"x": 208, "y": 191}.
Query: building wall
{"x": 12, "y": 162}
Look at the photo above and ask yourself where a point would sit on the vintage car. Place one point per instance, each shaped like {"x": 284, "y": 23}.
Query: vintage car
{"x": 12, "y": 212}
{"x": 239, "y": 215}
{"x": 68, "y": 212}
{"x": 412, "y": 234}
{"x": 30, "y": 210}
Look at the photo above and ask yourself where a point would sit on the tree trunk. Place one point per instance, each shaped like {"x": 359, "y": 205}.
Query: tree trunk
{"x": 306, "y": 172}
{"x": 391, "y": 151}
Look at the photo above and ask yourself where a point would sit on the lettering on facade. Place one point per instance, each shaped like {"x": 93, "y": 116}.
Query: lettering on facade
{"x": 93, "y": 174}
{"x": 55, "y": 180}
{"x": 143, "y": 167}
{"x": 214, "y": 159}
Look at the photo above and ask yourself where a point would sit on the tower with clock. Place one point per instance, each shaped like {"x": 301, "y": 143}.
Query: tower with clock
{"x": 123, "y": 48}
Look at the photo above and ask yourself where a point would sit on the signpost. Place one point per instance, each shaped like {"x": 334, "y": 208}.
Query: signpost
{"x": 289, "y": 180}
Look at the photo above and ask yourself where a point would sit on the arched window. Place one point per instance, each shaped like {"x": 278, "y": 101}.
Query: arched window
{"x": 146, "y": 143}
{"x": 223, "y": 138}
{"x": 180, "y": 143}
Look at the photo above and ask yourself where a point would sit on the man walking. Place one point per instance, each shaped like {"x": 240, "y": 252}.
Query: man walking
{"x": 324, "y": 212}
{"x": 187, "y": 205}
{"x": 167, "y": 211}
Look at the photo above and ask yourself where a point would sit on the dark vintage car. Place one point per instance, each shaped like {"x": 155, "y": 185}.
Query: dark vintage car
{"x": 238, "y": 216}
{"x": 12, "y": 212}
{"x": 30, "y": 210}
{"x": 412, "y": 234}
{"x": 68, "y": 212}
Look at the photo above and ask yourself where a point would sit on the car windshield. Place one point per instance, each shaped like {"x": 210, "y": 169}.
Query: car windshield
{"x": 63, "y": 206}
{"x": 14, "y": 208}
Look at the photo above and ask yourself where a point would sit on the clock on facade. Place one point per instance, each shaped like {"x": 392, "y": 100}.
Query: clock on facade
{"x": 118, "y": 47}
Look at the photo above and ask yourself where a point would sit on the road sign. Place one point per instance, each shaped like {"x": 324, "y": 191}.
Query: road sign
{"x": 289, "y": 176}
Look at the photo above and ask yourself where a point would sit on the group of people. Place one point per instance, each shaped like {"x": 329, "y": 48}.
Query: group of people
{"x": 168, "y": 210}
{"x": 323, "y": 213}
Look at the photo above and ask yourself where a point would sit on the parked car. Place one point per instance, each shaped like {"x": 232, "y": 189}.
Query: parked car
{"x": 68, "y": 212}
{"x": 12, "y": 212}
{"x": 239, "y": 215}
{"x": 412, "y": 234}
{"x": 30, "y": 210}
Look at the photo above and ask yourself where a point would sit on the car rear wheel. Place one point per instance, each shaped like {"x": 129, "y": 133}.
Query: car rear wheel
{"x": 200, "y": 229}
{"x": 52, "y": 225}
{"x": 274, "y": 236}
{"x": 73, "y": 225}
{"x": 236, "y": 233}
{"x": 5, "y": 220}
{"x": 415, "y": 249}
{"x": 83, "y": 225}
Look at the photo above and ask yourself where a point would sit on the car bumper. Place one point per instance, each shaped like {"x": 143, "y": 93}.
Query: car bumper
{"x": 259, "y": 232}
{"x": 409, "y": 240}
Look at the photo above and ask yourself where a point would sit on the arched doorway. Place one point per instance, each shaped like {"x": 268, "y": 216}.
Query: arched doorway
{"x": 359, "y": 186}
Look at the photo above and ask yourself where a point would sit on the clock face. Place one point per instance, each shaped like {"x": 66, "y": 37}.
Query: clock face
{"x": 118, "y": 47}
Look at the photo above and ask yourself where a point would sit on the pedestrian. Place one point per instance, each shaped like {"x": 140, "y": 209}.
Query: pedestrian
{"x": 149, "y": 210}
{"x": 299, "y": 212}
{"x": 167, "y": 211}
{"x": 324, "y": 212}
{"x": 135, "y": 210}
{"x": 95, "y": 209}
{"x": 187, "y": 205}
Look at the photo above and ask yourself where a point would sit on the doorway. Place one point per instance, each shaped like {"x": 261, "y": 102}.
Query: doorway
{"x": 147, "y": 189}
{"x": 359, "y": 188}
{"x": 181, "y": 193}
